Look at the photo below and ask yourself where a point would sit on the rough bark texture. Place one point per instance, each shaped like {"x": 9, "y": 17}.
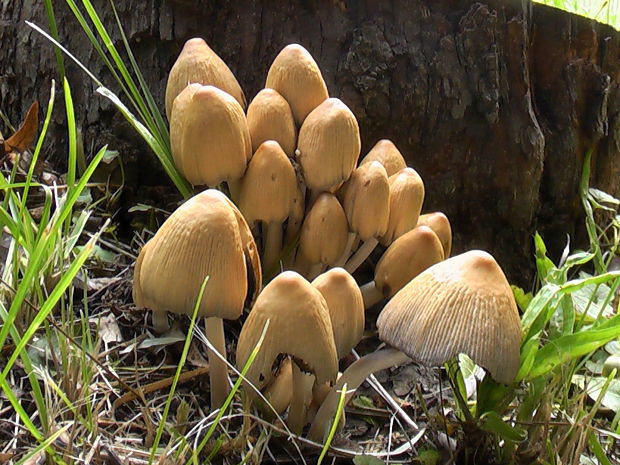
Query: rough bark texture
{"x": 494, "y": 103}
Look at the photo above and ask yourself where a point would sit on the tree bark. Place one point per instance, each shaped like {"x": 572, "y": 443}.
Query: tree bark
{"x": 494, "y": 103}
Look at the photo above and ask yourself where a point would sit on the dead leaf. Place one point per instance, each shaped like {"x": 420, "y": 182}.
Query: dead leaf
{"x": 24, "y": 136}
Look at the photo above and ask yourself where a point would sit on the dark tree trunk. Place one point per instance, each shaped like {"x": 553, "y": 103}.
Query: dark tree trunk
{"x": 494, "y": 103}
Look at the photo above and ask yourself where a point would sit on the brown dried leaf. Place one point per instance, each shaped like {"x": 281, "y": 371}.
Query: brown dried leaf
{"x": 24, "y": 136}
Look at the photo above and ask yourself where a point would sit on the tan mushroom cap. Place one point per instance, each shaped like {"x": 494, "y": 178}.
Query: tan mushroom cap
{"x": 366, "y": 200}
{"x": 329, "y": 145}
{"x": 406, "y": 198}
{"x": 299, "y": 325}
{"x": 386, "y": 153}
{"x": 297, "y": 77}
{"x": 346, "y": 307}
{"x": 407, "y": 257}
{"x": 209, "y": 136}
{"x": 324, "y": 231}
{"x": 269, "y": 186}
{"x": 197, "y": 63}
{"x": 270, "y": 118}
{"x": 201, "y": 238}
{"x": 461, "y": 305}
{"x": 439, "y": 223}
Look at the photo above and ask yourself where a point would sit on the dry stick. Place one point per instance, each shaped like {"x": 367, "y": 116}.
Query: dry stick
{"x": 218, "y": 373}
{"x": 353, "y": 377}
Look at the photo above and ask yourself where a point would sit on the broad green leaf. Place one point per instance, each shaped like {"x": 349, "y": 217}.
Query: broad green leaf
{"x": 493, "y": 423}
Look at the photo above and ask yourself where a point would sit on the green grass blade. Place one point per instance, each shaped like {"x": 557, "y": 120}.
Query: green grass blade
{"x": 51, "y": 19}
{"x": 334, "y": 426}
{"x": 43, "y": 445}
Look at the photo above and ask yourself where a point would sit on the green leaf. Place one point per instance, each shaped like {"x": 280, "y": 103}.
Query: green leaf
{"x": 523, "y": 299}
{"x": 491, "y": 422}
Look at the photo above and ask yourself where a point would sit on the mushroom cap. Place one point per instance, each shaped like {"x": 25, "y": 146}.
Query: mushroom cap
{"x": 406, "y": 198}
{"x": 297, "y": 77}
{"x": 329, "y": 145}
{"x": 407, "y": 257}
{"x": 325, "y": 231}
{"x": 439, "y": 223}
{"x": 209, "y": 136}
{"x": 201, "y": 238}
{"x": 270, "y": 118}
{"x": 366, "y": 200}
{"x": 461, "y": 305}
{"x": 346, "y": 307}
{"x": 197, "y": 63}
{"x": 269, "y": 185}
{"x": 299, "y": 325}
{"x": 386, "y": 153}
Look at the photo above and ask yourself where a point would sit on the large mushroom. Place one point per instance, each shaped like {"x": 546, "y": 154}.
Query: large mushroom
{"x": 460, "y": 305}
{"x": 386, "y": 153}
{"x": 270, "y": 118}
{"x": 406, "y": 198}
{"x": 206, "y": 236}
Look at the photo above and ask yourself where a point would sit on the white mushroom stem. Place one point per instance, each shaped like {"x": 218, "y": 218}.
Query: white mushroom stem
{"x": 273, "y": 243}
{"x": 160, "y": 322}
{"x": 347, "y": 250}
{"x": 362, "y": 254}
{"x": 218, "y": 371}
{"x": 302, "y": 396}
{"x": 370, "y": 294}
{"x": 353, "y": 377}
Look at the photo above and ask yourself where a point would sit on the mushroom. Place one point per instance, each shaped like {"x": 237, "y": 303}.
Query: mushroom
{"x": 278, "y": 393}
{"x": 209, "y": 136}
{"x": 404, "y": 259}
{"x": 461, "y": 305}
{"x": 439, "y": 223}
{"x": 297, "y": 77}
{"x": 406, "y": 198}
{"x": 206, "y": 236}
{"x": 270, "y": 118}
{"x": 366, "y": 202}
{"x": 323, "y": 235}
{"x": 268, "y": 190}
{"x": 386, "y": 153}
{"x": 299, "y": 325}
{"x": 328, "y": 146}
{"x": 197, "y": 63}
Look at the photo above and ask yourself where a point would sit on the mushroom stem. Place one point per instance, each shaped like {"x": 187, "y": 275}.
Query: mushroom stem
{"x": 273, "y": 243}
{"x": 279, "y": 392}
{"x": 347, "y": 250}
{"x": 160, "y": 322}
{"x": 234, "y": 187}
{"x": 370, "y": 294}
{"x": 362, "y": 254}
{"x": 218, "y": 371}
{"x": 352, "y": 377}
{"x": 315, "y": 270}
{"x": 302, "y": 396}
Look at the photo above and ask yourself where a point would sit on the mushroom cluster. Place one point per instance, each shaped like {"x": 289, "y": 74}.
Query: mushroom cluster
{"x": 283, "y": 192}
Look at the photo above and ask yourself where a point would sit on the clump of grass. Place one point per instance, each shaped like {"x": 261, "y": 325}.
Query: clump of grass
{"x": 605, "y": 11}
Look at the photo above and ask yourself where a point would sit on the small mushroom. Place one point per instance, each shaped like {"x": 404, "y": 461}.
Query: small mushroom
{"x": 386, "y": 153}
{"x": 203, "y": 237}
{"x": 404, "y": 259}
{"x": 270, "y": 118}
{"x": 439, "y": 223}
{"x": 300, "y": 326}
{"x": 197, "y": 63}
{"x": 297, "y": 77}
{"x": 328, "y": 146}
{"x": 209, "y": 136}
{"x": 406, "y": 198}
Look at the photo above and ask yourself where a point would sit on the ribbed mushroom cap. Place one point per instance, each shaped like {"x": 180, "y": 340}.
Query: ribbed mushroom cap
{"x": 270, "y": 118}
{"x": 461, "y": 305}
{"x": 297, "y": 77}
{"x": 439, "y": 223}
{"x": 407, "y": 257}
{"x": 200, "y": 238}
{"x": 299, "y": 325}
{"x": 329, "y": 145}
{"x": 406, "y": 198}
{"x": 346, "y": 307}
{"x": 209, "y": 136}
{"x": 269, "y": 185}
{"x": 386, "y": 153}
{"x": 366, "y": 200}
{"x": 197, "y": 63}
{"x": 324, "y": 231}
